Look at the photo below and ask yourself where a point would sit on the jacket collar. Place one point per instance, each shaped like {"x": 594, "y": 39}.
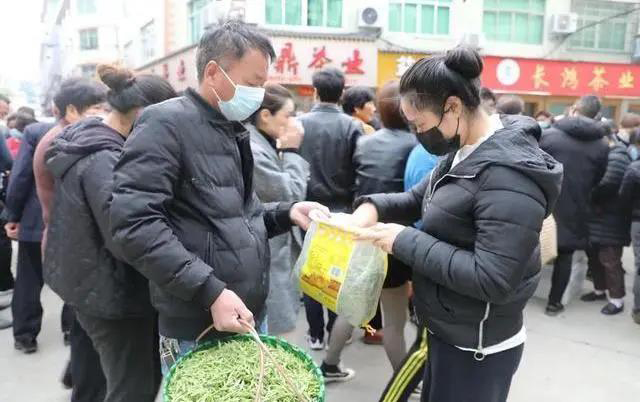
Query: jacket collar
{"x": 326, "y": 107}
{"x": 260, "y": 138}
{"x": 211, "y": 114}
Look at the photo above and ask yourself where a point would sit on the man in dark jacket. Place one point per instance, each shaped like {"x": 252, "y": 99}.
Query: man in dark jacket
{"x": 576, "y": 141}
{"x": 630, "y": 197}
{"x": 329, "y": 144}
{"x": 184, "y": 212}
{"x": 24, "y": 223}
{"x": 609, "y": 227}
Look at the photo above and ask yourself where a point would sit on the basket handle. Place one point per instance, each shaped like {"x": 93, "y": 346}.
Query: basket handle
{"x": 265, "y": 351}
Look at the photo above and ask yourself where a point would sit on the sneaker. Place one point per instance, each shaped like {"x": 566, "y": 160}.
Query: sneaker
{"x": 593, "y": 296}
{"x": 636, "y": 315}
{"x": 27, "y": 347}
{"x": 315, "y": 343}
{"x": 553, "y": 309}
{"x": 612, "y": 309}
{"x": 416, "y": 395}
{"x": 336, "y": 373}
{"x": 373, "y": 339}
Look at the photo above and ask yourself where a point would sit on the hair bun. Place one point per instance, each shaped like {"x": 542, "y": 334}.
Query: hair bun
{"x": 465, "y": 61}
{"x": 115, "y": 78}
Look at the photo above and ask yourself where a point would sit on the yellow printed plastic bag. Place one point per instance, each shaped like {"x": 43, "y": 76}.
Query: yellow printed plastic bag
{"x": 342, "y": 274}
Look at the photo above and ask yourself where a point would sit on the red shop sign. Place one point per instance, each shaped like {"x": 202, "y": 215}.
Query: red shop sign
{"x": 554, "y": 77}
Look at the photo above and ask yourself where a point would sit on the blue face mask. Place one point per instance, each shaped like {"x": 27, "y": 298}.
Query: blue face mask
{"x": 245, "y": 101}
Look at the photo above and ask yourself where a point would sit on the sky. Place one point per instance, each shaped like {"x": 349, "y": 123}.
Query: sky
{"x": 20, "y": 37}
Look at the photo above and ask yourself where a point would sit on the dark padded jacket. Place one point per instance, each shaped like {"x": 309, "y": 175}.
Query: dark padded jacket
{"x": 610, "y": 223}
{"x": 78, "y": 265}
{"x": 476, "y": 261}
{"x": 630, "y": 190}
{"x": 184, "y": 213}
{"x": 578, "y": 143}
{"x": 330, "y": 138}
{"x": 22, "y": 204}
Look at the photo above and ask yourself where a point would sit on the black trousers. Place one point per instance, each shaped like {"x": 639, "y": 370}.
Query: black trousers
{"x": 454, "y": 375}
{"x": 129, "y": 357}
{"x": 6, "y": 277}
{"x": 89, "y": 384}
{"x": 315, "y": 318}
{"x": 561, "y": 275}
{"x": 605, "y": 263}
{"x": 26, "y": 306}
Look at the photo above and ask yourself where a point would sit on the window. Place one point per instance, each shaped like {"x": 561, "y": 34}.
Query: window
{"x": 88, "y": 39}
{"x": 148, "y": 40}
{"x": 519, "y": 21}
{"x": 313, "y": 13}
{"x": 420, "y": 16}
{"x": 612, "y": 35}
{"x": 198, "y": 18}
{"x": 86, "y": 7}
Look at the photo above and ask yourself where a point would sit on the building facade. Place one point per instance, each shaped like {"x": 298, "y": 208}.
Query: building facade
{"x": 547, "y": 51}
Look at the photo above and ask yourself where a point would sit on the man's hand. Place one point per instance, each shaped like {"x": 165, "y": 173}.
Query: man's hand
{"x": 300, "y": 213}
{"x": 382, "y": 235}
{"x": 226, "y": 311}
{"x": 12, "y": 229}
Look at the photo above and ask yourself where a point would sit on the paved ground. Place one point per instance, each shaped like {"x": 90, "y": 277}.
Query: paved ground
{"x": 577, "y": 356}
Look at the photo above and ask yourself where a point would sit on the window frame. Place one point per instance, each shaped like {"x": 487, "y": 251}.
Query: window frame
{"x": 85, "y": 39}
{"x": 148, "y": 36}
{"x": 197, "y": 15}
{"x": 304, "y": 17}
{"x": 630, "y": 27}
{"x": 437, "y": 4}
{"x": 512, "y": 35}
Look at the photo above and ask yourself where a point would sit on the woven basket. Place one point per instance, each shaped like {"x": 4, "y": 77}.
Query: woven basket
{"x": 267, "y": 340}
{"x": 548, "y": 241}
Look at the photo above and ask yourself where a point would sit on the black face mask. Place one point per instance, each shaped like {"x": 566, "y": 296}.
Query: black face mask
{"x": 434, "y": 142}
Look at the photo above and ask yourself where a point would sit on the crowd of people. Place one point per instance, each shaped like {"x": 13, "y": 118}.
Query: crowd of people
{"x": 162, "y": 219}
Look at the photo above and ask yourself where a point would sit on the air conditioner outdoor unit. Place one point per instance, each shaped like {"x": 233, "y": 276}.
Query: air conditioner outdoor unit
{"x": 562, "y": 24}
{"x": 370, "y": 17}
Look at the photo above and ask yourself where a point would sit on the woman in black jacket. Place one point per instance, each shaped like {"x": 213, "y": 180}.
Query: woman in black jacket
{"x": 110, "y": 298}
{"x": 476, "y": 259}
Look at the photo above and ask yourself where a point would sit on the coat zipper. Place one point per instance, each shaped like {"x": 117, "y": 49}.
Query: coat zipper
{"x": 479, "y": 354}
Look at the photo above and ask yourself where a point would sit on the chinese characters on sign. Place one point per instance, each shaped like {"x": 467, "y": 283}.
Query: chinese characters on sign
{"x": 287, "y": 57}
{"x": 298, "y": 59}
{"x": 538, "y": 77}
{"x": 569, "y": 78}
{"x": 561, "y": 78}
{"x": 392, "y": 65}
{"x": 319, "y": 58}
{"x": 598, "y": 82}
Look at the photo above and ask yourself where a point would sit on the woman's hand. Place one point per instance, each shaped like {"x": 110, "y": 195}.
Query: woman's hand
{"x": 365, "y": 215}
{"x": 292, "y": 135}
{"x": 382, "y": 235}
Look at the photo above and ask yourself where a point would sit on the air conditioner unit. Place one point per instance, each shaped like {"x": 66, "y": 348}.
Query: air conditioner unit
{"x": 562, "y": 24}
{"x": 370, "y": 17}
